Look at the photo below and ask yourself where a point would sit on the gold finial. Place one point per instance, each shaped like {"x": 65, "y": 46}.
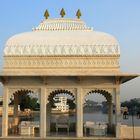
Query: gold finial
{"x": 62, "y": 12}
{"x": 78, "y": 14}
{"x": 46, "y": 14}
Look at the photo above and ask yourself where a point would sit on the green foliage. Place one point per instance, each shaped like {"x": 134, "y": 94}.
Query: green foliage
{"x": 28, "y": 102}
{"x": 132, "y": 103}
{"x": 71, "y": 104}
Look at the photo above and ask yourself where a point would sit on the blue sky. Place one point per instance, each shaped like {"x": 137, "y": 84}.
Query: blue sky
{"x": 120, "y": 18}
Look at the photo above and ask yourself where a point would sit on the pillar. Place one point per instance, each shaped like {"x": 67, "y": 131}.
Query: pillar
{"x": 117, "y": 112}
{"x": 48, "y": 121}
{"x": 43, "y": 113}
{"x": 15, "y": 105}
{"x": 110, "y": 114}
{"x": 5, "y": 113}
{"x": 79, "y": 108}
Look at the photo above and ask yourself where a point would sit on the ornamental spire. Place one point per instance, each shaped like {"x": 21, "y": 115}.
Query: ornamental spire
{"x": 62, "y": 12}
{"x": 78, "y": 14}
{"x": 46, "y": 14}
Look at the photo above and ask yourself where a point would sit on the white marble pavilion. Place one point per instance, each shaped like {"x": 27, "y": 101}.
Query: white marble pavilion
{"x": 63, "y": 55}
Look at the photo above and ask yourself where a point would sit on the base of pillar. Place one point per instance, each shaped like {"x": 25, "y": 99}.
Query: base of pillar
{"x": 118, "y": 131}
{"x": 61, "y": 138}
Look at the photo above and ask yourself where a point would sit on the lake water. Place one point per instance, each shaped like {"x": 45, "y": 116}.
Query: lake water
{"x": 100, "y": 117}
{"x": 96, "y": 117}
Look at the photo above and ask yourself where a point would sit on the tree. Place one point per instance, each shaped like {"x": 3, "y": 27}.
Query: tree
{"x": 71, "y": 104}
{"x": 133, "y": 104}
{"x": 28, "y": 102}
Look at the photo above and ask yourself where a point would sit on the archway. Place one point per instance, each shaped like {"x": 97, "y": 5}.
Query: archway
{"x": 61, "y": 104}
{"x": 24, "y": 113}
{"x": 98, "y": 109}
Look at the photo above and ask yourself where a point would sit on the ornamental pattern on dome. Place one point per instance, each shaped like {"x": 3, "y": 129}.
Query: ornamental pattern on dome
{"x": 63, "y": 50}
{"x": 62, "y": 37}
{"x": 61, "y": 24}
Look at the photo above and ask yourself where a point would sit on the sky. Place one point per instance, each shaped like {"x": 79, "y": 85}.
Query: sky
{"x": 121, "y": 18}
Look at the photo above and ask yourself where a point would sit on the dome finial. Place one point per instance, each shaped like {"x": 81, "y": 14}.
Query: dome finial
{"x": 62, "y": 12}
{"x": 46, "y": 14}
{"x": 78, "y": 14}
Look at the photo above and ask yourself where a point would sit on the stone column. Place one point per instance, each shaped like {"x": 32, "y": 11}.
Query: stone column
{"x": 117, "y": 111}
{"x": 79, "y": 108}
{"x": 16, "y": 105}
{"x": 48, "y": 121}
{"x": 43, "y": 113}
{"x": 110, "y": 113}
{"x": 5, "y": 113}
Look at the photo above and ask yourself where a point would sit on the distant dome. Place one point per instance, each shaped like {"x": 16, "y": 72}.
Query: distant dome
{"x": 62, "y": 37}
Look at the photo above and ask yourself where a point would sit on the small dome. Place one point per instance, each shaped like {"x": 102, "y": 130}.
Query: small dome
{"x": 62, "y": 37}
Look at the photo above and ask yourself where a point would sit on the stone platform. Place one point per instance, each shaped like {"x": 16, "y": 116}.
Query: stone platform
{"x": 64, "y": 138}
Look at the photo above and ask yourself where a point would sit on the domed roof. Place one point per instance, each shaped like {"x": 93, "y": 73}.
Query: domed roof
{"x": 62, "y": 37}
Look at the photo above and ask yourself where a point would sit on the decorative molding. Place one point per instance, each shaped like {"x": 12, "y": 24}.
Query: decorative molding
{"x": 54, "y": 50}
{"x": 61, "y": 62}
{"x": 51, "y": 90}
{"x": 14, "y": 89}
{"x": 72, "y": 90}
{"x": 86, "y": 91}
{"x": 61, "y": 24}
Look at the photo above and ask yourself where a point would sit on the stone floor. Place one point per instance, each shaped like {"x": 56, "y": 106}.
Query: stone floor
{"x": 63, "y": 138}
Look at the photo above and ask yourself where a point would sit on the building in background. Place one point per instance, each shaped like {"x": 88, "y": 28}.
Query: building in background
{"x": 61, "y": 104}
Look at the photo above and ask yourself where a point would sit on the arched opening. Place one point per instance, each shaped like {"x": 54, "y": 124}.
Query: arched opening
{"x": 24, "y": 113}
{"x": 61, "y": 117}
{"x": 98, "y": 113}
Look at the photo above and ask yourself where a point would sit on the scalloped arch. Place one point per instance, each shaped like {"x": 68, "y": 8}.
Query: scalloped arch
{"x": 104, "y": 93}
{"x": 60, "y": 91}
{"x": 23, "y": 91}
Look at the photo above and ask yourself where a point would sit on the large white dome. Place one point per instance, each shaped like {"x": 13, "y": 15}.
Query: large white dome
{"x": 62, "y": 37}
